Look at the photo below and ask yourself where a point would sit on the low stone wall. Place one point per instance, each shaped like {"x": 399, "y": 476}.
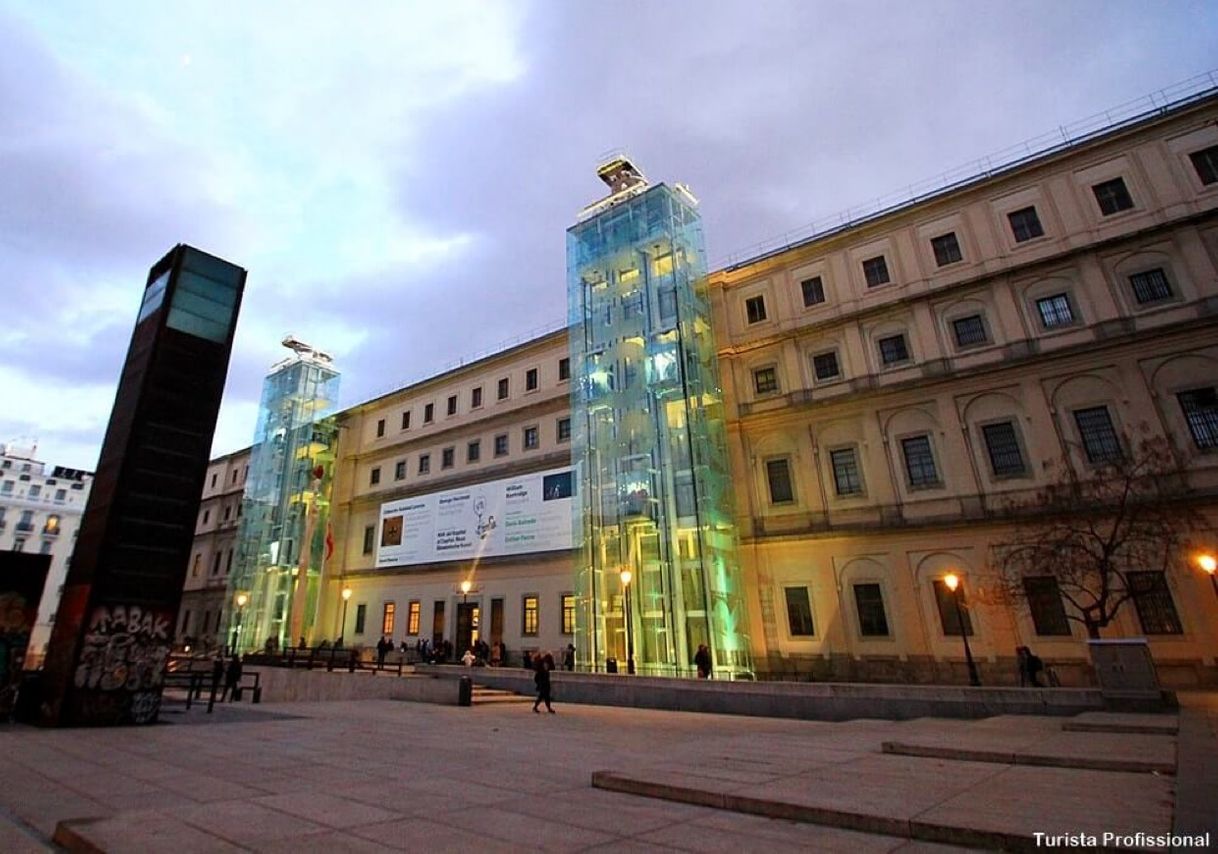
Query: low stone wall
{"x": 287, "y": 685}
{"x": 804, "y": 700}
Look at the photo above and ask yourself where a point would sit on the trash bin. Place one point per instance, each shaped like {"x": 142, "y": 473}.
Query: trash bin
{"x": 465, "y": 693}
{"x": 611, "y": 665}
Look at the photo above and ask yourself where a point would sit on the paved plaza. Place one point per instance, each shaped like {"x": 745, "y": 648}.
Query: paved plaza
{"x": 381, "y": 774}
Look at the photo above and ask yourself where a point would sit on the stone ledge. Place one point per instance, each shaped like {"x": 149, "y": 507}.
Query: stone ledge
{"x": 1090, "y": 763}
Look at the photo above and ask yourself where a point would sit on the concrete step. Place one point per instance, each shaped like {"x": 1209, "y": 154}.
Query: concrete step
{"x": 483, "y": 696}
{"x": 1029, "y": 757}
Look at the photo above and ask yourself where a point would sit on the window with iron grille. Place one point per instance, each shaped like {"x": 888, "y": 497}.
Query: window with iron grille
{"x": 387, "y": 618}
{"x": 947, "y": 249}
{"x": 969, "y": 331}
{"x": 1152, "y": 598}
{"x": 530, "y": 380}
{"x": 813, "y": 291}
{"x": 452, "y": 404}
{"x": 503, "y": 388}
{"x": 1045, "y": 602}
{"x": 1055, "y": 311}
{"x": 875, "y": 270}
{"x": 361, "y": 617}
{"x": 949, "y": 616}
{"x": 778, "y": 475}
{"x": 424, "y": 463}
{"x": 919, "y": 461}
{"x": 1025, "y": 224}
{"x": 754, "y": 308}
{"x": 473, "y": 451}
{"x": 369, "y": 538}
{"x": 846, "y": 477}
{"x": 1150, "y": 286}
{"x": 568, "y": 614}
{"x": 399, "y": 470}
{"x": 825, "y": 366}
{"x": 374, "y": 476}
{"x": 475, "y": 397}
{"x": 1205, "y": 162}
{"x": 1200, "y": 406}
{"x": 1098, "y": 435}
{"x": 869, "y": 602}
{"x": 893, "y": 350}
{"x": 429, "y": 413}
{"x": 799, "y": 612}
{"x": 412, "y": 617}
{"x": 765, "y": 380}
{"x": 530, "y": 619}
{"x": 1112, "y": 196}
{"x": 501, "y": 445}
{"x": 530, "y": 438}
{"x": 563, "y": 431}
{"x": 447, "y": 458}
{"x": 1002, "y": 446}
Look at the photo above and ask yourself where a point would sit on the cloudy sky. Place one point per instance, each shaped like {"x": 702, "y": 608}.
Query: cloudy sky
{"x": 397, "y": 177}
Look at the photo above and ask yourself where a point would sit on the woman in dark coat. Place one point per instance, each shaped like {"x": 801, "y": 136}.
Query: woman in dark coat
{"x": 541, "y": 678}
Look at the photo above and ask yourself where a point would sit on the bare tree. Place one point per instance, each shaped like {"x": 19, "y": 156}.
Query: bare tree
{"x": 1090, "y": 531}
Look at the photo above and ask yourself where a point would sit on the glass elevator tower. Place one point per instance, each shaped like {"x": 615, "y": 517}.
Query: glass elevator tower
{"x": 648, "y": 434}
{"x": 281, "y": 545}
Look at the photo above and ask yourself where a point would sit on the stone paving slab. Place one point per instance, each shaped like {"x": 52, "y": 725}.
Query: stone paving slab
{"x": 1029, "y": 757}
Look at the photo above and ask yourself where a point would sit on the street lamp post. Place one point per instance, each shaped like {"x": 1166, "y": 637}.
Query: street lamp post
{"x": 466, "y": 586}
{"x": 953, "y": 584}
{"x": 1209, "y": 565}
{"x": 342, "y": 633}
{"x": 241, "y": 600}
{"x": 626, "y": 575}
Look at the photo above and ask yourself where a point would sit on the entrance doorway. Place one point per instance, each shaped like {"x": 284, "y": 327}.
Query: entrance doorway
{"x": 469, "y": 619}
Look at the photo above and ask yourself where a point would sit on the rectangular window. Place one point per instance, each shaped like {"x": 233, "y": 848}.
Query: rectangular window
{"x": 369, "y": 538}
{"x": 799, "y": 612}
{"x": 919, "y": 462}
{"x": 529, "y": 618}
{"x": 424, "y": 463}
{"x": 1055, "y": 311}
{"x": 1156, "y": 610}
{"x": 564, "y": 430}
{"x": 1098, "y": 435}
{"x": 399, "y": 470}
{"x": 35, "y": 490}
{"x": 813, "y": 291}
{"x": 475, "y": 398}
{"x": 765, "y": 380}
{"x": 1150, "y": 286}
{"x": 893, "y": 350}
{"x": 437, "y": 623}
{"x": 380, "y": 431}
{"x": 452, "y": 404}
{"x": 969, "y": 331}
{"x": 1205, "y": 162}
{"x": 846, "y": 477}
{"x": 869, "y": 601}
{"x": 228, "y": 562}
{"x": 1112, "y": 196}
{"x": 473, "y": 451}
{"x": 503, "y": 388}
{"x": 754, "y": 308}
{"x": 530, "y": 380}
{"x": 1002, "y": 445}
{"x": 361, "y": 617}
{"x": 412, "y": 617}
{"x": 406, "y": 420}
{"x": 1025, "y": 224}
{"x": 946, "y": 248}
{"x": 568, "y": 614}
{"x": 215, "y": 563}
{"x": 530, "y": 438}
{"x": 564, "y": 369}
{"x": 447, "y": 458}
{"x": 778, "y": 474}
{"x": 387, "y": 616}
{"x": 876, "y": 271}
{"x": 501, "y": 445}
{"x": 949, "y": 615}
{"x": 1045, "y": 602}
{"x": 374, "y": 476}
{"x": 1200, "y": 408}
{"x": 429, "y": 413}
{"x": 825, "y": 366}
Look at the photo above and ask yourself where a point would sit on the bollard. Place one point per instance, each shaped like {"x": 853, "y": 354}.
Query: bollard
{"x": 465, "y": 695}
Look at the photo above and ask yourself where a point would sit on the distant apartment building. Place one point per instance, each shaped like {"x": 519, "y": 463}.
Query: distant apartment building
{"x": 40, "y": 512}
{"x": 213, "y": 553}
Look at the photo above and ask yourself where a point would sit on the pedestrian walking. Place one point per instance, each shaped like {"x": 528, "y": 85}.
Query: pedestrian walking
{"x": 541, "y": 678}
{"x": 1030, "y": 667}
{"x": 703, "y": 661}
{"x": 382, "y": 649}
{"x": 232, "y": 680}
{"x": 568, "y": 657}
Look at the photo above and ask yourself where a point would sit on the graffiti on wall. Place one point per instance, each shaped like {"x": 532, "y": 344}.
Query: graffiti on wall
{"x": 125, "y": 649}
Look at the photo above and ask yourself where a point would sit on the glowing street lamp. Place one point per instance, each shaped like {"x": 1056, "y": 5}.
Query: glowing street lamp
{"x": 626, "y": 576}
{"x": 1209, "y": 565}
{"x": 346, "y": 596}
{"x": 466, "y": 586}
{"x": 953, "y": 584}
